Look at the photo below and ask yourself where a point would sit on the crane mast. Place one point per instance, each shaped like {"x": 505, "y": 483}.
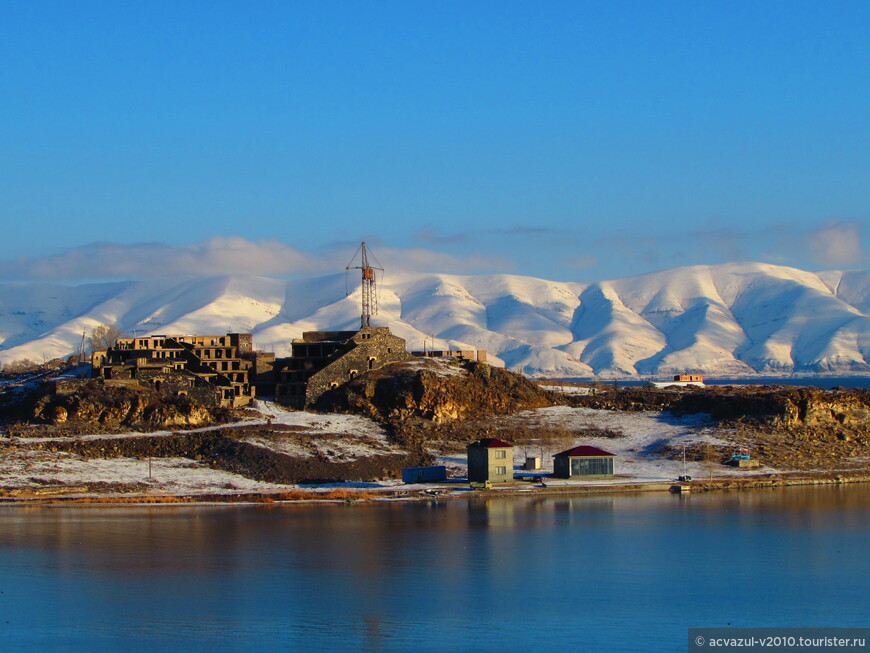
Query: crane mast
{"x": 369, "y": 283}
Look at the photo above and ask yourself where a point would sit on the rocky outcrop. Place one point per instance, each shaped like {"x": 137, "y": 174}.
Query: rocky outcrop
{"x": 437, "y": 391}
{"x": 771, "y": 405}
{"x": 784, "y": 427}
{"x": 107, "y": 407}
{"x": 782, "y": 406}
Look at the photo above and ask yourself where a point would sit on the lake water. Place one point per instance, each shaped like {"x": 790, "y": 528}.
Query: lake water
{"x": 605, "y": 573}
{"x": 826, "y": 382}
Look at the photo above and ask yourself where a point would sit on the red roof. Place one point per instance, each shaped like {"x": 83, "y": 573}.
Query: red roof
{"x": 490, "y": 443}
{"x": 585, "y": 450}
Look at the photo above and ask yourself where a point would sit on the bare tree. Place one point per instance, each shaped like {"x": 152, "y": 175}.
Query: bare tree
{"x": 712, "y": 459}
{"x": 104, "y": 336}
{"x": 21, "y": 365}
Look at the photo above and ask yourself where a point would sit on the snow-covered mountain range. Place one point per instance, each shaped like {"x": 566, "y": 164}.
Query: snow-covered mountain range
{"x": 731, "y": 319}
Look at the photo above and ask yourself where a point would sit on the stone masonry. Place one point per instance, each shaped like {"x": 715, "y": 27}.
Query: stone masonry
{"x": 323, "y": 360}
{"x": 216, "y": 367}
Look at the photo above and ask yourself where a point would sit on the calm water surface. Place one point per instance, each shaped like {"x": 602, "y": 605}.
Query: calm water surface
{"x": 619, "y": 573}
{"x": 826, "y": 382}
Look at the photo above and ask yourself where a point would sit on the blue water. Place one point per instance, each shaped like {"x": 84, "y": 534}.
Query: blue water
{"x": 609, "y": 573}
{"x": 826, "y": 382}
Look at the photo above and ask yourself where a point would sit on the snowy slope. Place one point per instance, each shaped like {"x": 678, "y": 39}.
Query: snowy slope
{"x": 738, "y": 318}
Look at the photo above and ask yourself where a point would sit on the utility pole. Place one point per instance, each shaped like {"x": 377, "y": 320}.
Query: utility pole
{"x": 684, "y": 460}
{"x": 369, "y": 284}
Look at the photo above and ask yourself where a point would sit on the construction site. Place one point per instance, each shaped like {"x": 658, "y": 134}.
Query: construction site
{"x": 227, "y": 371}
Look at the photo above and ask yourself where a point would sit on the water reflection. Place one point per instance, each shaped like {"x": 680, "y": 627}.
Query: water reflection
{"x": 386, "y": 577}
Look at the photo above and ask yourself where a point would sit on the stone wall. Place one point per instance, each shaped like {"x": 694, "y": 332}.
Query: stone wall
{"x": 371, "y": 348}
{"x": 175, "y": 384}
{"x": 263, "y": 373}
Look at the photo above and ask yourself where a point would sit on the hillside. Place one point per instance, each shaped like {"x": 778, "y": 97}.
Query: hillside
{"x": 438, "y": 391}
{"x": 723, "y": 320}
{"x": 106, "y": 441}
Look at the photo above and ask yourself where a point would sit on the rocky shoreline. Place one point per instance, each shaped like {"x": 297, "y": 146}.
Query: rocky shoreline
{"x": 100, "y": 446}
{"x": 74, "y": 496}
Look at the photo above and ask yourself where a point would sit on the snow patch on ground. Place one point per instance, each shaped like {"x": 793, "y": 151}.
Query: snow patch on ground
{"x": 440, "y": 367}
{"x": 637, "y": 457}
{"x": 346, "y": 437}
{"x": 568, "y": 389}
{"x": 340, "y": 437}
{"x": 37, "y": 468}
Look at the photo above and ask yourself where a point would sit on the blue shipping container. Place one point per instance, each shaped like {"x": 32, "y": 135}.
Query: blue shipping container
{"x": 424, "y": 474}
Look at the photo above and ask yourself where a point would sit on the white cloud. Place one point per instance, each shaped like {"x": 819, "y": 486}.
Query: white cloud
{"x": 425, "y": 260}
{"x": 581, "y": 262}
{"x": 214, "y": 256}
{"x": 836, "y": 244}
{"x": 220, "y": 256}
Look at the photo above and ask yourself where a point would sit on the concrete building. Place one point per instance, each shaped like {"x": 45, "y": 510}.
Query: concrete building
{"x": 322, "y": 360}
{"x": 214, "y": 369}
{"x": 490, "y": 459}
{"x": 583, "y": 461}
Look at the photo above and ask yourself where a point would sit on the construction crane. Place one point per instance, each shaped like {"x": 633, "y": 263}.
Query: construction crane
{"x": 369, "y": 283}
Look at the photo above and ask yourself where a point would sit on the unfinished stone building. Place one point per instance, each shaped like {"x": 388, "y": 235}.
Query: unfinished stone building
{"x": 213, "y": 369}
{"x": 322, "y": 360}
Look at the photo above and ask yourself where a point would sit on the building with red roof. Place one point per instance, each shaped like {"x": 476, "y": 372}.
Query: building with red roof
{"x": 583, "y": 461}
{"x": 490, "y": 459}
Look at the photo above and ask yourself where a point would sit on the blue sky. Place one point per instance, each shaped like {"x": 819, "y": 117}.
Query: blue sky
{"x": 564, "y": 140}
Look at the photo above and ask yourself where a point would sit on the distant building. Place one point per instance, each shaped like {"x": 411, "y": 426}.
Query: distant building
{"x": 583, "y": 461}
{"x": 681, "y": 380}
{"x": 429, "y": 474}
{"x": 322, "y": 360}
{"x": 490, "y": 459}
{"x": 214, "y": 369}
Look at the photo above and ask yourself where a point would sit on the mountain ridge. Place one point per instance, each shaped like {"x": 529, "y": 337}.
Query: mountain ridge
{"x": 726, "y": 319}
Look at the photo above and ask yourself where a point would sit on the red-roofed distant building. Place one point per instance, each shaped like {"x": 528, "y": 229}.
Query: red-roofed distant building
{"x": 583, "y": 461}
{"x": 490, "y": 459}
